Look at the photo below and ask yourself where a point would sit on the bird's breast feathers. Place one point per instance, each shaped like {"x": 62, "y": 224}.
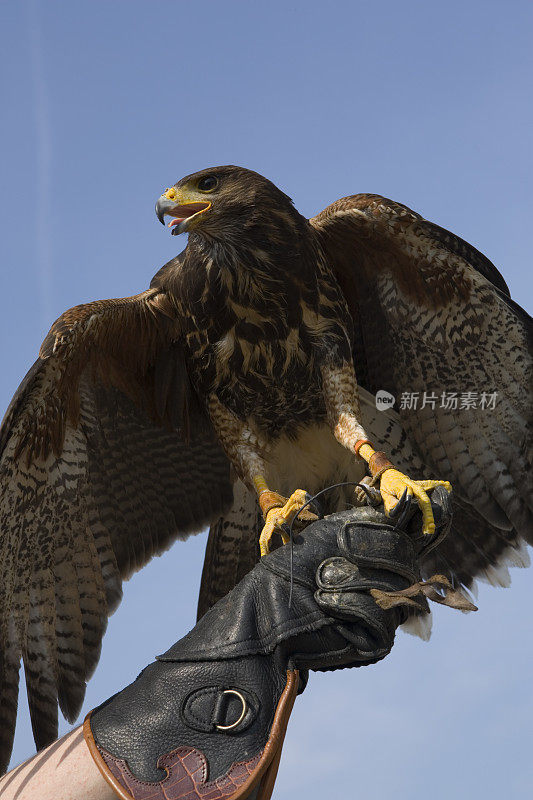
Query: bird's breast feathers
{"x": 253, "y": 332}
{"x": 312, "y": 459}
{"x": 274, "y": 382}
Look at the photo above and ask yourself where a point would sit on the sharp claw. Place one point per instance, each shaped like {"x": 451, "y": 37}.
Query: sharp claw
{"x": 403, "y": 509}
{"x": 393, "y": 481}
{"x": 442, "y": 505}
{"x": 315, "y": 507}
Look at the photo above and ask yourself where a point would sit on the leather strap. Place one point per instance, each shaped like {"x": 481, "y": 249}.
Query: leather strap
{"x": 186, "y": 767}
{"x": 269, "y": 500}
{"x": 378, "y": 463}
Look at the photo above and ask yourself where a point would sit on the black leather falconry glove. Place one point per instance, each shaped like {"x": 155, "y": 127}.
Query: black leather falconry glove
{"x": 207, "y": 719}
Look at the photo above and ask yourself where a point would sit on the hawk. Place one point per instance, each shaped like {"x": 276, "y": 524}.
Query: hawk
{"x": 242, "y": 378}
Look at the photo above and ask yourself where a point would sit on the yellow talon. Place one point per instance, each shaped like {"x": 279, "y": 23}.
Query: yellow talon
{"x": 283, "y": 515}
{"x": 394, "y": 483}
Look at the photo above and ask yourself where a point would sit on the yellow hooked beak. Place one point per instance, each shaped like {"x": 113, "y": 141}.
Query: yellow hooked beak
{"x": 181, "y": 206}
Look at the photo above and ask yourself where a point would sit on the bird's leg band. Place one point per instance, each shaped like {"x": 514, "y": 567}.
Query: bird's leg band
{"x": 377, "y": 460}
{"x": 266, "y": 498}
{"x": 279, "y": 511}
{"x": 269, "y": 500}
{"x": 378, "y": 463}
{"x": 359, "y": 443}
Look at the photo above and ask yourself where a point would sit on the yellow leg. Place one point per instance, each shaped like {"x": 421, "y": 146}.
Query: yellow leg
{"x": 278, "y": 511}
{"x": 394, "y": 483}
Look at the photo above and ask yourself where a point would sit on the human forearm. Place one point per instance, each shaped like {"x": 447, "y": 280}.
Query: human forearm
{"x": 63, "y": 771}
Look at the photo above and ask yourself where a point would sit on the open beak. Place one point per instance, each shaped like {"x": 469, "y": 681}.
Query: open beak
{"x": 172, "y": 204}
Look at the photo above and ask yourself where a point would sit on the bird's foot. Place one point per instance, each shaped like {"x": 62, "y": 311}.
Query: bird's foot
{"x": 279, "y": 512}
{"x": 394, "y": 484}
{"x": 366, "y": 494}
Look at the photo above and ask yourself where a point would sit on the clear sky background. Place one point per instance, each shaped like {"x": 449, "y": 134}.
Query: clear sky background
{"x": 107, "y": 103}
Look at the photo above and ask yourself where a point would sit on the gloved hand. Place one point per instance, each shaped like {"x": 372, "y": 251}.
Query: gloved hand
{"x": 207, "y": 719}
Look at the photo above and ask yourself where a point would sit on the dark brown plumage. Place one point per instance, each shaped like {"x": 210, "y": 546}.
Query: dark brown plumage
{"x": 140, "y": 414}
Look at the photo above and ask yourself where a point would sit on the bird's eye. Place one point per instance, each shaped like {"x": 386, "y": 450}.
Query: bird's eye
{"x": 208, "y": 183}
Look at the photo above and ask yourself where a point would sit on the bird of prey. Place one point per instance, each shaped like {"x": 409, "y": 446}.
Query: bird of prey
{"x": 245, "y": 373}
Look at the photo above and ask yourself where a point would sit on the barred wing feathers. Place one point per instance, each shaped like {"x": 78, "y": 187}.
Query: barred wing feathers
{"x": 104, "y": 461}
{"x": 232, "y": 548}
{"x": 432, "y": 314}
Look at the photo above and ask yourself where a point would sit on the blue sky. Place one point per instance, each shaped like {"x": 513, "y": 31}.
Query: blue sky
{"x": 107, "y": 103}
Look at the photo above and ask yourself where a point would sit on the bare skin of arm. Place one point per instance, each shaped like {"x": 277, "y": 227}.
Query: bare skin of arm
{"x": 63, "y": 771}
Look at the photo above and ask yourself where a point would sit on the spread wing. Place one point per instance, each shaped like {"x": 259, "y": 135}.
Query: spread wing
{"x": 105, "y": 459}
{"x": 232, "y": 548}
{"x": 433, "y": 315}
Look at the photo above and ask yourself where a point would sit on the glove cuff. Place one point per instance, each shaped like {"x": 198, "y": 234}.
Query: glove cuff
{"x": 186, "y": 767}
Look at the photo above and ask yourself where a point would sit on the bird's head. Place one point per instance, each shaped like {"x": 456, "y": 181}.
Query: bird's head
{"x": 221, "y": 202}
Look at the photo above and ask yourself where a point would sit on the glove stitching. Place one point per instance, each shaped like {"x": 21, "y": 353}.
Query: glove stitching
{"x": 103, "y": 753}
{"x": 199, "y": 693}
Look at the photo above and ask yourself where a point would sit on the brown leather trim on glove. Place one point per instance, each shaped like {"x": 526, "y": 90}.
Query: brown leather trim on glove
{"x": 188, "y": 766}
